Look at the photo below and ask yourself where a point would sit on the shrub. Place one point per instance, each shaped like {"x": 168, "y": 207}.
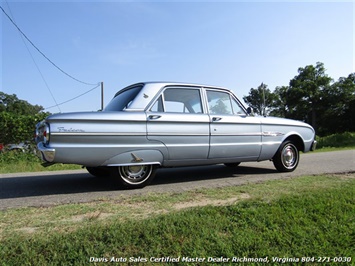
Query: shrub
{"x": 346, "y": 139}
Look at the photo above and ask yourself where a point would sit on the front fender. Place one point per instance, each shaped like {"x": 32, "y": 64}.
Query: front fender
{"x": 136, "y": 157}
{"x": 272, "y": 142}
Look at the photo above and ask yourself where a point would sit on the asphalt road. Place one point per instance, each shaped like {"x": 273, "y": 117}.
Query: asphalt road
{"x": 53, "y": 188}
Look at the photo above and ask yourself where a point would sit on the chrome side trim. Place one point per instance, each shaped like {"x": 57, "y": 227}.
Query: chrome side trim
{"x": 188, "y": 145}
{"x": 237, "y": 144}
{"x": 97, "y": 134}
{"x": 272, "y": 134}
{"x": 178, "y": 134}
{"x": 129, "y": 164}
{"x": 237, "y": 135}
{"x": 204, "y": 134}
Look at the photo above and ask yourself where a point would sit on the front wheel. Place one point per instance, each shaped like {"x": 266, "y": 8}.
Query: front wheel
{"x": 135, "y": 176}
{"x": 287, "y": 157}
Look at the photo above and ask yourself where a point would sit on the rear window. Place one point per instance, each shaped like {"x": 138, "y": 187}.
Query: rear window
{"x": 123, "y": 99}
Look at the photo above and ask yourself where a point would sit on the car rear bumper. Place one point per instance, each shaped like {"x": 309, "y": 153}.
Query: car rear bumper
{"x": 45, "y": 153}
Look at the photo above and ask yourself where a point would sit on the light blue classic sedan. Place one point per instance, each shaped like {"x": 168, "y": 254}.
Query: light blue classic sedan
{"x": 158, "y": 124}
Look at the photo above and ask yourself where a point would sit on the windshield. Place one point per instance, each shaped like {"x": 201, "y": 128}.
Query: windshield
{"x": 123, "y": 99}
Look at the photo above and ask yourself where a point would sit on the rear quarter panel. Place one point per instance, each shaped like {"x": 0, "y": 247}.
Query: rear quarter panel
{"x": 91, "y": 139}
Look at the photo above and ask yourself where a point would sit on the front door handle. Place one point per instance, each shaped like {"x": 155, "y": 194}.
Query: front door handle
{"x": 153, "y": 117}
{"x": 215, "y": 119}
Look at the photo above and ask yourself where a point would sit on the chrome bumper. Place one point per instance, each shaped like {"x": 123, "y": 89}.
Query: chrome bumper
{"x": 314, "y": 145}
{"x": 46, "y": 154}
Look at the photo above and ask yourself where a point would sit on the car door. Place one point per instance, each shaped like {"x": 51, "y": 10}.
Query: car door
{"x": 177, "y": 119}
{"x": 234, "y": 134}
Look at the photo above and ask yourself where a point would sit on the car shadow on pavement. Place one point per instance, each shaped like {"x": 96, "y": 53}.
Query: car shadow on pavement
{"x": 73, "y": 183}
{"x": 200, "y": 173}
{"x": 52, "y": 184}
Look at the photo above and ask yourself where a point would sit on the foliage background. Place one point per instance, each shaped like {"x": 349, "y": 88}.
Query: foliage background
{"x": 313, "y": 97}
{"x": 18, "y": 119}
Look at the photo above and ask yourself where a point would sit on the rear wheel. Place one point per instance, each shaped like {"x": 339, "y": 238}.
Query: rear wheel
{"x": 135, "y": 176}
{"x": 287, "y": 157}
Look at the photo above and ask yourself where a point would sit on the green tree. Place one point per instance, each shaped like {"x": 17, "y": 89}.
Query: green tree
{"x": 279, "y": 105}
{"x": 311, "y": 97}
{"x": 18, "y": 119}
{"x": 306, "y": 90}
{"x": 10, "y": 103}
{"x": 339, "y": 103}
{"x": 260, "y": 99}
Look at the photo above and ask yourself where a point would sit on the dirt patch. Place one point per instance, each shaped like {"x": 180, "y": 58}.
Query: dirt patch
{"x": 89, "y": 216}
{"x": 212, "y": 202}
{"x": 345, "y": 175}
{"x": 28, "y": 230}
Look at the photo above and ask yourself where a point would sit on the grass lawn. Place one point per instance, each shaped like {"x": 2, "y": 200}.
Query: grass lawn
{"x": 16, "y": 162}
{"x": 309, "y": 218}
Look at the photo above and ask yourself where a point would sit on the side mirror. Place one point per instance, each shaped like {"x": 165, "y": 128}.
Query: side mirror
{"x": 250, "y": 111}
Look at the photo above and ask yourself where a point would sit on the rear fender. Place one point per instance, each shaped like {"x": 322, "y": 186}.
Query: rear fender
{"x": 136, "y": 157}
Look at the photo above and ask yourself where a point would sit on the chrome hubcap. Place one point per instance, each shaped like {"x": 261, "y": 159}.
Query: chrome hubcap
{"x": 135, "y": 174}
{"x": 289, "y": 156}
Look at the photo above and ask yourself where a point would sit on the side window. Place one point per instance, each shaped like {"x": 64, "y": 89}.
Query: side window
{"x": 123, "y": 99}
{"x": 237, "y": 109}
{"x": 178, "y": 100}
{"x": 219, "y": 103}
{"x": 158, "y": 105}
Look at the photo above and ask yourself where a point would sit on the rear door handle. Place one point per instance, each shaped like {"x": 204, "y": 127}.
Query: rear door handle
{"x": 215, "y": 119}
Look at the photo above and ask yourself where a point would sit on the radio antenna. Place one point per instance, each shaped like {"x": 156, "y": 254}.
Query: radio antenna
{"x": 264, "y": 102}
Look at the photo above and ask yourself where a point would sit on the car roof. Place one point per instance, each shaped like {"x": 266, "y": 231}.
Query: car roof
{"x": 187, "y": 84}
{"x": 152, "y": 88}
